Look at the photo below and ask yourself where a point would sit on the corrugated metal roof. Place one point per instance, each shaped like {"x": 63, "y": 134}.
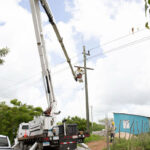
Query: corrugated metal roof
{"x": 131, "y": 114}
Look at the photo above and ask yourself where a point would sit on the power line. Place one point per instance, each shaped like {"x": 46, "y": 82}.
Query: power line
{"x": 111, "y": 50}
{"x": 122, "y": 46}
{"x": 103, "y": 44}
{"x": 114, "y": 40}
{"x": 98, "y": 54}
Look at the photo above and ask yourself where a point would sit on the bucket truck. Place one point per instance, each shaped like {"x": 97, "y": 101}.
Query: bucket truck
{"x": 42, "y": 132}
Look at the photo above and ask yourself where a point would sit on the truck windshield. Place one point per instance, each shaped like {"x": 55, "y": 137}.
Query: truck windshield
{"x": 3, "y": 141}
{"x": 25, "y": 127}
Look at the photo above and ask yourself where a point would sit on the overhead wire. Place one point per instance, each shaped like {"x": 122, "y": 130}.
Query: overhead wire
{"x": 103, "y": 44}
{"x": 111, "y": 50}
{"x": 98, "y": 54}
{"x": 98, "y": 46}
{"x": 121, "y": 47}
{"x": 114, "y": 40}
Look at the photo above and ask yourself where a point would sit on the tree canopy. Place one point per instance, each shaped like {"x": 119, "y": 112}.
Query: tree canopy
{"x": 81, "y": 123}
{"x": 12, "y": 116}
{"x": 147, "y": 12}
{"x": 3, "y": 53}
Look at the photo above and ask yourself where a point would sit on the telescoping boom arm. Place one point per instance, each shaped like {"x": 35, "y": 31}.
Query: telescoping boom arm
{"x": 36, "y": 16}
{"x": 51, "y": 20}
{"x": 35, "y": 9}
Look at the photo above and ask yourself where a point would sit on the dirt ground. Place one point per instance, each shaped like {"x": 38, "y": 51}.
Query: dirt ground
{"x": 97, "y": 145}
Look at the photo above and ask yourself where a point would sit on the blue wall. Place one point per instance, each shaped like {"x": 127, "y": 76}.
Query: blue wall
{"x": 138, "y": 124}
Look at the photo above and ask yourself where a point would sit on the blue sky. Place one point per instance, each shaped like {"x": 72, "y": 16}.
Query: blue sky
{"x": 57, "y": 7}
{"x": 60, "y": 14}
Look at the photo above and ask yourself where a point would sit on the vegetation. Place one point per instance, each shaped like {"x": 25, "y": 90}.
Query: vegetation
{"x": 11, "y": 117}
{"x": 103, "y": 121}
{"x": 147, "y": 12}
{"x": 97, "y": 127}
{"x": 93, "y": 138}
{"x": 3, "y": 53}
{"x": 140, "y": 142}
{"x": 81, "y": 122}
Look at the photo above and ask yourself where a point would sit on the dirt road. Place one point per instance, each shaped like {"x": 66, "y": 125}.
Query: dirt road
{"x": 98, "y": 145}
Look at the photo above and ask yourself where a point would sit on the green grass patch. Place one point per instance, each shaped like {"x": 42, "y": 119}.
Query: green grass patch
{"x": 93, "y": 138}
{"x": 140, "y": 142}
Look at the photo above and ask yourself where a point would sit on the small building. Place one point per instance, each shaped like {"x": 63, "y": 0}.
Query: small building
{"x": 131, "y": 124}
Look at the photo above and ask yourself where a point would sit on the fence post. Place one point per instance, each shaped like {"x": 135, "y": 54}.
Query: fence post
{"x": 130, "y": 129}
{"x": 119, "y": 129}
{"x": 137, "y": 127}
{"x": 142, "y": 126}
{"x": 107, "y": 132}
{"x": 133, "y": 128}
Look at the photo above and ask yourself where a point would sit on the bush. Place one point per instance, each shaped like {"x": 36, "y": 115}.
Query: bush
{"x": 97, "y": 127}
{"x": 81, "y": 123}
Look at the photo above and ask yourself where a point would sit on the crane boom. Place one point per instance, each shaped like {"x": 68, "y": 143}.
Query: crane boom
{"x": 35, "y": 8}
{"x": 60, "y": 39}
{"x": 42, "y": 53}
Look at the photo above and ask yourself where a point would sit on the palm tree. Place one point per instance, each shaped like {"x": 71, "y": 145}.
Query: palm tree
{"x": 3, "y": 53}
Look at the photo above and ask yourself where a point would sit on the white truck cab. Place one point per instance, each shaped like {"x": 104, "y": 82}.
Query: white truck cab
{"x": 4, "y": 143}
{"x": 23, "y": 130}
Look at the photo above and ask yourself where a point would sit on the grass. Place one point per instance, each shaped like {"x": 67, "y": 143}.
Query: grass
{"x": 93, "y": 138}
{"x": 140, "y": 142}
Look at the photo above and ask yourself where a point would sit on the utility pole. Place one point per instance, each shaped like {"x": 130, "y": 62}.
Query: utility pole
{"x": 86, "y": 88}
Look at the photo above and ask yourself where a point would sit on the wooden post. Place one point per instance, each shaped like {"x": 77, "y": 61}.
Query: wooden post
{"x": 137, "y": 127}
{"x": 130, "y": 129}
{"x": 119, "y": 128}
{"x": 133, "y": 128}
{"x": 107, "y": 131}
{"x": 142, "y": 127}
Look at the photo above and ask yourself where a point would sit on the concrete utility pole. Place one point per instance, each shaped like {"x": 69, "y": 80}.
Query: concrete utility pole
{"x": 86, "y": 88}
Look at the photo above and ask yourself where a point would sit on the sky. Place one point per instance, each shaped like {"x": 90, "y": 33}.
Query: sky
{"x": 120, "y": 81}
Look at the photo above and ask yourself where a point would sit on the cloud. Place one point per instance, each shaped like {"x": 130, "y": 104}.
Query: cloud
{"x": 18, "y": 35}
{"x": 21, "y": 73}
{"x": 120, "y": 80}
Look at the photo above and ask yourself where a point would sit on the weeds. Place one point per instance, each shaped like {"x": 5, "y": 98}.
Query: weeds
{"x": 140, "y": 142}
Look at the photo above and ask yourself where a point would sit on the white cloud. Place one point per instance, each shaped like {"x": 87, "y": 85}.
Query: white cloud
{"x": 120, "y": 81}
{"x": 18, "y": 35}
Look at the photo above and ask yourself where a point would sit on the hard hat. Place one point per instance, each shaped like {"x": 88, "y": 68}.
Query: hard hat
{"x": 113, "y": 123}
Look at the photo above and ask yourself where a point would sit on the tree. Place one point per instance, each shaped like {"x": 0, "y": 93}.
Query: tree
{"x": 12, "y": 116}
{"x": 147, "y": 12}
{"x": 3, "y": 53}
{"x": 97, "y": 127}
{"x": 81, "y": 123}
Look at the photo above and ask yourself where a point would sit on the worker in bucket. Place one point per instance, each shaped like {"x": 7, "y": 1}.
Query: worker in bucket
{"x": 112, "y": 131}
{"x": 79, "y": 74}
